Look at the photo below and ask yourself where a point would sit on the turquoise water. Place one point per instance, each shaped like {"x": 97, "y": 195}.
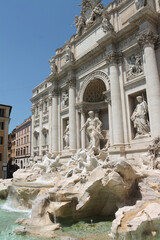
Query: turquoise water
{"x": 7, "y": 226}
{"x": 84, "y": 229}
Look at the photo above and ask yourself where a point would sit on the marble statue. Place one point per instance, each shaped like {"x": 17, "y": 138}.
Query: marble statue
{"x": 80, "y": 24}
{"x": 84, "y": 161}
{"x": 106, "y": 25}
{"x": 66, "y": 136}
{"x": 96, "y": 12}
{"x": 139, "y": 117}
{"x": 68, "y": 53}
{"x": 53, "y": 65}
{"x": 93, "y": 130}
{"x": 48, "y": 165}
{"x": 140, "y": 3}
{"x": 65, "y": 99}
{"x": 135, "y": 65}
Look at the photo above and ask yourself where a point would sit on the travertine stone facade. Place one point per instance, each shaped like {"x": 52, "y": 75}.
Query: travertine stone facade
{"x": 111, "y": 67}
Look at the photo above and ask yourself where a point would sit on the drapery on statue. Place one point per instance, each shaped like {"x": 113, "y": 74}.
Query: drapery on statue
{"x": 139, "y": 117}
{"x": 65, "y": 99}
{"x": 53, "y": 65}
{"x": 66, "y": 136}
{"x": 80, "y": 24}
{"x": 93, "y": 130}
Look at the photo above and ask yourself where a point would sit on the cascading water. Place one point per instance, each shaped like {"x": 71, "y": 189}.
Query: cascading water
{"x": 8, "y": 215}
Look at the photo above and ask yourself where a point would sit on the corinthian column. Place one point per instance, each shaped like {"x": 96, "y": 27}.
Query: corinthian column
{"x": 40, "y": 127}
{"x": 55, "y": 120}
{"x": 32, "y": 130}
{"x": 50, "y": 123}
{"x": 147, "y": 41}
{"x": 83, "y": 135}
{"x": 72, "y": 112}
{"x": 117, "y": 122}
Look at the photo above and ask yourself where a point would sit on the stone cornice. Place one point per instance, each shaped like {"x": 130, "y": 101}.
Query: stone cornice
{"x": 40, "y": 94}
{"x": 55, "y": 91}
{"x": 134, "y": 83}
{"x": 148, "y": 38}
{"x": 86, "y": 106}
{"x": 147, "y": 13}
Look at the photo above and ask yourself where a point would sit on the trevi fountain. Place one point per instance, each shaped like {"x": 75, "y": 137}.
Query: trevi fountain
{"x": 95, "y": 167}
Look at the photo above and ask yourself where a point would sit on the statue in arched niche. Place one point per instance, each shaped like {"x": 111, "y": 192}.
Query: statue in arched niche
{"x": 66, "y": 136}
{"x": 93, "y": 130}
{"x": 139, "y": 117}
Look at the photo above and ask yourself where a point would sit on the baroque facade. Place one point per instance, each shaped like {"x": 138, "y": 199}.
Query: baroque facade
{"x": 110, "y": 69}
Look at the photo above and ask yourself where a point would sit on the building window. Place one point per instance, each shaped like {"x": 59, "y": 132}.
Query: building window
{"x": 1, "y": 140}
{"x": 21, "y": 151}
{"x": 45, "y": 139}
{"x": 24, "y": 151}
{"x": 27, "y": 150}
{"x": 0, "y": 156}
{"x": 24, "y": 140}
{"x": 1, "y": 112}
{"x": 37, "y": 111}
{"x": 27, "y": 138}
{"x": 21, "y": 140}
{"x": 45, "y": 106}
{"x": 1, "y": 125}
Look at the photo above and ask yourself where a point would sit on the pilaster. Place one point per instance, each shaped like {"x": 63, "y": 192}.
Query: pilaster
{"x": 55, "y": 93}
{"x": 148, "y": 41}
{"x": 117, "y": 121}
{"x": 72, "y": 111}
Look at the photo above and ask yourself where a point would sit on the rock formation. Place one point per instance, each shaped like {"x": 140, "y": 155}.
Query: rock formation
{"x": 91, "y": 185}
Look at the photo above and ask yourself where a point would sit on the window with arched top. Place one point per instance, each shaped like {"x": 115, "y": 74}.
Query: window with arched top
{"x": 94, "y": 91}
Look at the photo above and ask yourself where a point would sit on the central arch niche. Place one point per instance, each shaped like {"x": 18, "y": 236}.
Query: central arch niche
{"x": 94, "y": 99}
{"x": 94, "y": 91}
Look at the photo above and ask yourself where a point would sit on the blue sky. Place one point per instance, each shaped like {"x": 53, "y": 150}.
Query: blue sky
{"x": 31, "y": 31}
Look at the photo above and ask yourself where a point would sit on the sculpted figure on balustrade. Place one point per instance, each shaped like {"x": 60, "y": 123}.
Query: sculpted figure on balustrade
{"x": 139, "y": 117}
{"x": 106, "y": 25}
{"x": 53, "y": 65}
{"x": 68, "y": 53}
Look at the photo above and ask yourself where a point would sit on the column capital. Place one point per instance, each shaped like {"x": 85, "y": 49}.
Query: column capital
{"x": 50, "y": 98}
{"x": 33, "y": 110}
{"x": 71, "y": 79}
{"x": 41, "y": 105}
{"x": 55, "y": 91}
{"x": 148, "y": 38}
{"x": 114, "y": 58}
{"x": 107, "y": 96}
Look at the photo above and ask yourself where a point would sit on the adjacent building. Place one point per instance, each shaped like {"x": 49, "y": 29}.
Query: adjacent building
{"x": 11, "y": 166}
{"x": 110, "y": 67}
{"x": 23, "y": 144}
{"x": 5, "y": 112}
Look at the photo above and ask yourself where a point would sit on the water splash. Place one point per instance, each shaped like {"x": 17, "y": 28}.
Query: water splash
{"x": 41, "y": 180}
